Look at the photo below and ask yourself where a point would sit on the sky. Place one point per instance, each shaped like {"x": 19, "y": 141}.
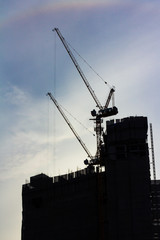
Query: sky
{"x": 119, "y": 39}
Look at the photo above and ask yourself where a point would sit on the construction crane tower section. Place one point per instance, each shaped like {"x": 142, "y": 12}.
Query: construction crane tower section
{"x": 152, "y": 149}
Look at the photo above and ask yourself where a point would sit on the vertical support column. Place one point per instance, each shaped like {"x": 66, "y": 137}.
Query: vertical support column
{"x": 98, "y": 135}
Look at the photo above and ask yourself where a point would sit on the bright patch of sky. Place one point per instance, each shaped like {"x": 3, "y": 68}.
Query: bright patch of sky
{"x": 119, "y": 39}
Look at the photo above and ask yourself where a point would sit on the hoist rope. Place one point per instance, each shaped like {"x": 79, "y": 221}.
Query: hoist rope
{"x": 54, "y": 91}
{"x": 47, "y": 159}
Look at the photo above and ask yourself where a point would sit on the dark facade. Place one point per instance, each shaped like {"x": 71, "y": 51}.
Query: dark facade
{"x": 88, "y": 204}
{"x": 128, "y": 180}
{"x": 66, "y": 209}
{"x": 155, "y": 200}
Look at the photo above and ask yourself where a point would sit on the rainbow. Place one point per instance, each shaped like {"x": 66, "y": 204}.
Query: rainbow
{"x": 55, "y": 8}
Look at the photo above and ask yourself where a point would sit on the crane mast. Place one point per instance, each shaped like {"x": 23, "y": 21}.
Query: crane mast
{"x": 112, "y": 90}
{"x": 70, "y": 125}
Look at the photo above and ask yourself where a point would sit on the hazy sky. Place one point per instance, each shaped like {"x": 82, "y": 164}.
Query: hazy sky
{"x": 119, "y": 39}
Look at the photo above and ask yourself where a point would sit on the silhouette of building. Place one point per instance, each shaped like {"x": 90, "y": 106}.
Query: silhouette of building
{"x": 128, "y": 180}
{"x": 155, "y": 200}
{"x": 117, "y": 203}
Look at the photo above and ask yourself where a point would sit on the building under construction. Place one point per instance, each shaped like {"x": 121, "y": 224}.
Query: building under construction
{"x": 118, "y": 202}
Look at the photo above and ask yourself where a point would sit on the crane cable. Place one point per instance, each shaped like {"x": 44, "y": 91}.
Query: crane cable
{"x": 89, "y": 65}
{"x": 77, "y": 120}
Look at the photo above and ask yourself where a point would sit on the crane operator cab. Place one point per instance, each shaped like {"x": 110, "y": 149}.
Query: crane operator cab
{"x": 107, "y": 112}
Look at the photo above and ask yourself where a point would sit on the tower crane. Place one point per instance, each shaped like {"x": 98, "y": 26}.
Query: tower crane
{"x": 103, "y": 111}
{"x": 92, "y": 159}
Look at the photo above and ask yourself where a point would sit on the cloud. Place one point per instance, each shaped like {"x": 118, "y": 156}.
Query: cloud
{"x": 15, "y": 96}
{"x": 23, "y": 134}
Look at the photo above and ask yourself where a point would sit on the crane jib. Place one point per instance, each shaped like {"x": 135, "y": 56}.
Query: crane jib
{"x": 70, "y": 125}
{"x": 78, "y": 68}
